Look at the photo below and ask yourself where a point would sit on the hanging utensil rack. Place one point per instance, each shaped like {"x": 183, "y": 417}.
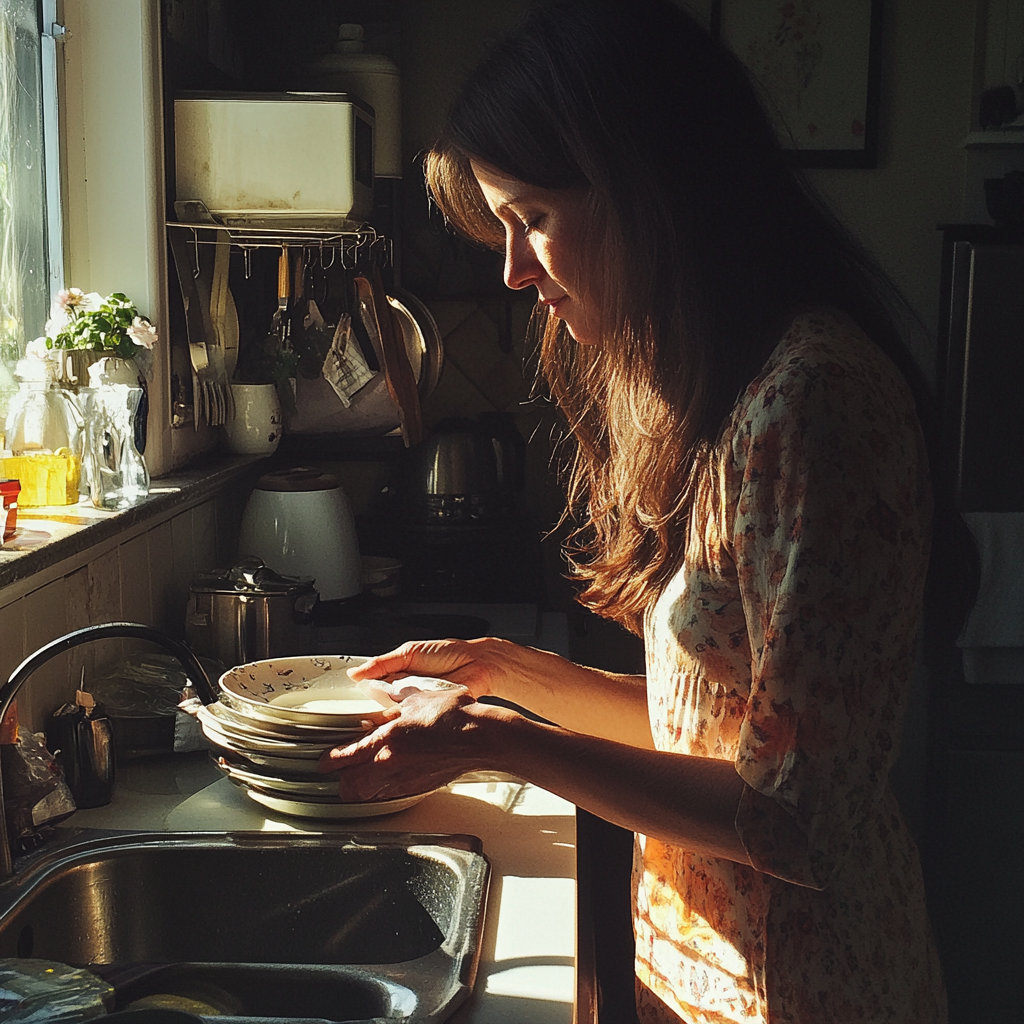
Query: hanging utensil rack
{"x": 349, "y": 249}
{"x": 352, "y": 248}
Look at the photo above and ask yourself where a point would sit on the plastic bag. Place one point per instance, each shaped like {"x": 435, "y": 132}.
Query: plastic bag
{"x": 36, "y": 797}
{"x": 151, "y": 684}
{"x": 47, "y": 992}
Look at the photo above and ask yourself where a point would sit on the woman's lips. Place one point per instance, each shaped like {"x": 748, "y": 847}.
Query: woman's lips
{"x": 553, "y": 304}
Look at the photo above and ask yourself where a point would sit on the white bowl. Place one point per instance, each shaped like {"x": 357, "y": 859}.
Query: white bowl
{"x": 225, "y": 736}
{"x": 307, "y": 690}
{"x": 324, "y": 788}
{"x": 324, "y": 809}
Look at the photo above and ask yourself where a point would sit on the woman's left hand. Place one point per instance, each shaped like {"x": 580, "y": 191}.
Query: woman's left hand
{"x": 429, "y": 740}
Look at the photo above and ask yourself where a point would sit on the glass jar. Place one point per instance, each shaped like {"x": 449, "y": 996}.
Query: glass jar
{"x": 44, "y": 437}
{"x": 115, "y": 470}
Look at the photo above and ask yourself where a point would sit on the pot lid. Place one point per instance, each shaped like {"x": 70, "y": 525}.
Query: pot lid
{"x": 250, "y": 576}
{"x": 298, "y": 478}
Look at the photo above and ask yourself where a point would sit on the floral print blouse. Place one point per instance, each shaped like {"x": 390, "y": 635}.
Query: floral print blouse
{"x": 786, "y": 645}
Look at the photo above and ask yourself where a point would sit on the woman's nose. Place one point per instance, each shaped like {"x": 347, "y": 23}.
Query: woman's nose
{"x": 522, "y": 268}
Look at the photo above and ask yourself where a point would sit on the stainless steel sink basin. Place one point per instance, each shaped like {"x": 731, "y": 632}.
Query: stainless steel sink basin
{"x": 340, "y": 927}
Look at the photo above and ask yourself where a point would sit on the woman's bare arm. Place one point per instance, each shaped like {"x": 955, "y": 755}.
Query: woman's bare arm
{"x": 583, "y": 699}
{"x": 433, "y": 738}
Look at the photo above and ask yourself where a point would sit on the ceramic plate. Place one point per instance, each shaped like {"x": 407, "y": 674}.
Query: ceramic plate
{"x": 249, "y": 722}
{"x": 326, "y": 787}
{"x": 224, "y": 736}
{"x": 309, "y": 690}
{"x": 333, "y": 809}
{"x": 257, "y": 761}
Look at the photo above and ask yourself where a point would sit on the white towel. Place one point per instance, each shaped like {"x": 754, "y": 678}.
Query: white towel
{"x": 993, "y": 639}
{"x": 345, "y": 368}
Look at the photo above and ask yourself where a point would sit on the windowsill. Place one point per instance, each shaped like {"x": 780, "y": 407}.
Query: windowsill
{"x": 49, "y": 535}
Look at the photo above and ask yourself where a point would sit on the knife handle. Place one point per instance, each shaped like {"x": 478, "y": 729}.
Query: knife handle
{"x": 284, "y": 282}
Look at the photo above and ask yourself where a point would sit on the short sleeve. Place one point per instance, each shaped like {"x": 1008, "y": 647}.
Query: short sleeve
{"x": 830, "y": 537}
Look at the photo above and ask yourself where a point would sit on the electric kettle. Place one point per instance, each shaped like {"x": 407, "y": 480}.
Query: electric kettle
{"x": 466, "y": 470}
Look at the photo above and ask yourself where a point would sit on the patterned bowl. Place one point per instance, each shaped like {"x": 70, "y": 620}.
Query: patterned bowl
{"x": 310, "y": 690}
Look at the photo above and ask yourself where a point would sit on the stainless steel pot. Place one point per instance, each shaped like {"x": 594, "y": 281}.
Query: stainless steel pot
{"x": 249, "y": 612}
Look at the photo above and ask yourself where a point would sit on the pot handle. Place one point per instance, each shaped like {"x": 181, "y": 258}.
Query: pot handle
{"x": 304, "y": 605}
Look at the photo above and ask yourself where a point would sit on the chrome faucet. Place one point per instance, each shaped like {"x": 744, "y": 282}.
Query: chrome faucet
{"x": 118, "y": 630}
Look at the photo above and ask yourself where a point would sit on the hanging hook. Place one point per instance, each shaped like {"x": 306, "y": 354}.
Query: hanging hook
{"x": 195, "y": 246}
{"x": 247, "y": 255}
{"x": 327, "y": 266}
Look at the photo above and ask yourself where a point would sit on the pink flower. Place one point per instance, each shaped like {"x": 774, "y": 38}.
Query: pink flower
{"x": 142, "y": 332}
{"x": 70, "y": 298}
{"x": 67, "y": 305}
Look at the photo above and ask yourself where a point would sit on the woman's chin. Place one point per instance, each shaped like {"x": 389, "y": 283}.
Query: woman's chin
{"x": 581, "y": 335}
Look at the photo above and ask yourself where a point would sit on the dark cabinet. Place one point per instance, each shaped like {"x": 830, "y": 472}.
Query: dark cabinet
{"x": 975, "y": 787}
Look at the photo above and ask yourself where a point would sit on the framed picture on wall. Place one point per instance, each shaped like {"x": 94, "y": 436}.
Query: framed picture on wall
{"x": 818, "y": 63}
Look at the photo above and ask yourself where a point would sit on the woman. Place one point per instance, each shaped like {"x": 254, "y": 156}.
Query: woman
{"x": 752, "y": 484}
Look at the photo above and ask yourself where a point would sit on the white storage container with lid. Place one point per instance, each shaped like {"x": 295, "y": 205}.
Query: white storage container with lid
{"x": 299, "y": 522}
{"x": 375, "y": 79}
{"x": 298, "y": 160}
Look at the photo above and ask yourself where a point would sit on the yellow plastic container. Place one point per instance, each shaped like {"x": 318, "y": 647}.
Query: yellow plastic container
{"x": 46, "y": 478}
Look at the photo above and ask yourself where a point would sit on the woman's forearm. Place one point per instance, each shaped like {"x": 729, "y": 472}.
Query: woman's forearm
{"x": 688, "y": 801}
{"x": 585, "y": 700}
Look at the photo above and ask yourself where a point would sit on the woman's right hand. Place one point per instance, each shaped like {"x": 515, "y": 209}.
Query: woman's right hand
{"x": 482, "y": 666}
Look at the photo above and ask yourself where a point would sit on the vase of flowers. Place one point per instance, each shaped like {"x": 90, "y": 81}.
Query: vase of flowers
{"x": 85, "y": 327}
{"x": 100, "y": 344}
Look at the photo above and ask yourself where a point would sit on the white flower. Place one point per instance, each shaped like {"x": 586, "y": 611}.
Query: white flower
{"x": 57, "y": 322}
{"x": 36, "y": 349}
{"x": 142, "y": 332}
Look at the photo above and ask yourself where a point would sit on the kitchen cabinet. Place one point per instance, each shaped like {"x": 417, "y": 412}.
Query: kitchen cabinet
{"x": 975, "y": 796}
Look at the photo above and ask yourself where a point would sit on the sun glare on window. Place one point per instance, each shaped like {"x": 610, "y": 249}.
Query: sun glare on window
{"x": 24, "y": 281}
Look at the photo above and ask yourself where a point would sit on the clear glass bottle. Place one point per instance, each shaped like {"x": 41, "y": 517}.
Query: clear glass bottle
{"x": 43, "y": 438}
{"x": 115, "y": 470}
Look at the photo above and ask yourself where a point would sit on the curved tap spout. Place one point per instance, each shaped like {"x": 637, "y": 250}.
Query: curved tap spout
{"x": 118, "y": 630}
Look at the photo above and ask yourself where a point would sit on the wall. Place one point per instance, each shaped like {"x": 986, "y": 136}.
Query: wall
{"x": 927, "y": 84}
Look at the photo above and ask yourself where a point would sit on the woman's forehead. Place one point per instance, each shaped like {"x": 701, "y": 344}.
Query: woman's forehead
{"x": 502, "y": 185}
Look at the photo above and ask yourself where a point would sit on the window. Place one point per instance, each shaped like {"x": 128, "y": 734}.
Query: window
{"x": 28, "y": 247}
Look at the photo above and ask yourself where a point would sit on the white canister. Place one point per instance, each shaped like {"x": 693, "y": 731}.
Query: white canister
{"x": 300, "y": 523}
{"x": 255, "y": 427}
{"x": 374, "y": 79}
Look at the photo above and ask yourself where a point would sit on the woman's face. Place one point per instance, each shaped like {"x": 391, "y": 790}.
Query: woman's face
{"x": 543, "y": 237}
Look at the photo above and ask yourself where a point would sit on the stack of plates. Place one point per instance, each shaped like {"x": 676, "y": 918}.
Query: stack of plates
{"x": 275, "y": 719}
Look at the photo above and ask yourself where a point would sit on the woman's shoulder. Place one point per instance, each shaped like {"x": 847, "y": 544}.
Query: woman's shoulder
{"x": 824, "y": 362}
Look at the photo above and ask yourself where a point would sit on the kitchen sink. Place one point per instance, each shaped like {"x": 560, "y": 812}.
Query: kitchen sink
{"x": 337, "y": 927}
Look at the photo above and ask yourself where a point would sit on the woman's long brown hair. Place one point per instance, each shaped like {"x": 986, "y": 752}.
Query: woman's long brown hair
{"x": 706, "y": 242}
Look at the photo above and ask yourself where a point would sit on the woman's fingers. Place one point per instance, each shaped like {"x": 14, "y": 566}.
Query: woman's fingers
{"x": 384, "y": 666}
{"x": 418, "y": 657}
{"x": 479, "y": 665}
{"x": 420, "y": 747}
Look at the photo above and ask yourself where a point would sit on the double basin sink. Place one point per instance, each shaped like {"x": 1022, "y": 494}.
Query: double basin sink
{"x": 260, "y": 926}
